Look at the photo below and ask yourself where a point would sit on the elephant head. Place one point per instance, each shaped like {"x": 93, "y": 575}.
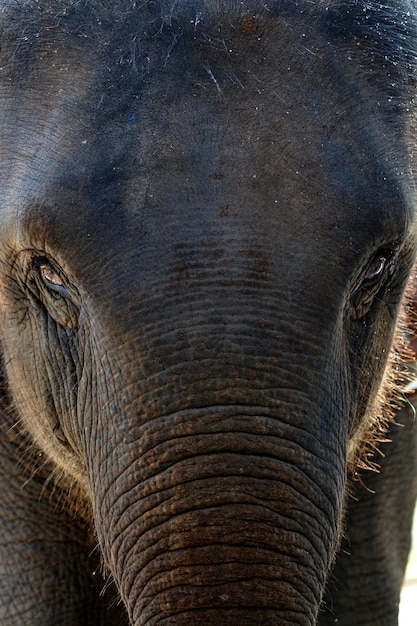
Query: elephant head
{"x": 207, "y": 223}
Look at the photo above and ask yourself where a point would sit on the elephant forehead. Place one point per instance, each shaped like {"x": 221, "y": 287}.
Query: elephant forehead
{"x": 205, "y": 108}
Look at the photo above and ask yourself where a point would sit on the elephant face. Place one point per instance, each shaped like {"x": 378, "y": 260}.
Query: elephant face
{"x": 207, "y": 223}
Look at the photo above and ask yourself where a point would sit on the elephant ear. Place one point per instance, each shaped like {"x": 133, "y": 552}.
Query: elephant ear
{"x": 400, "y": 381}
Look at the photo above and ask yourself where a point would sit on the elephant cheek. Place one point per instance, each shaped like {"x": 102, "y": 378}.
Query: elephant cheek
{"x": 235, "y": 535}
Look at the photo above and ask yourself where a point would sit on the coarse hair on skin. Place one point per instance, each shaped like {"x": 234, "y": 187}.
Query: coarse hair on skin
{"x": 62, "y": 489}
{"x": 383, "y": 32}
{"x": 375, "y": 43}
{"x": 364, "y": 446}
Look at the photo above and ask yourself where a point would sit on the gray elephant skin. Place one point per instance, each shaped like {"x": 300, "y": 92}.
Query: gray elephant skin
{"x": 207, "y": 222}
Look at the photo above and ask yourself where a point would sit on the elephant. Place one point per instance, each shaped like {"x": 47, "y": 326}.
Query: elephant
{"x": 207, "y": 225}
{"x": 365, "y": 584}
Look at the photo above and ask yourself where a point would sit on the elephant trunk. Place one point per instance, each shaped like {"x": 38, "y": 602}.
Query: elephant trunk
{"x": 222, "y": 515}
{"x": 217, "y": 463}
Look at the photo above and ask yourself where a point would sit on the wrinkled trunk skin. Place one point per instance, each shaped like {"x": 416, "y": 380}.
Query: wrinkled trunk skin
{"x": 218, "y": 535}
{"x": 218, "y": 497}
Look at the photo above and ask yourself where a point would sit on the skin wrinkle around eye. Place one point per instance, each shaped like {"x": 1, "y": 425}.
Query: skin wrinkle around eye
{"x": 378, "y": 275}
{"x": 39, "y": 277}
{"x": 35, "y": 268}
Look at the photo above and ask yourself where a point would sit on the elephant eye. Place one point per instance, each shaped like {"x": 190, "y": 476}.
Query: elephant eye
{"x": 59, "y": 299}
{"x": 376, "y": 268}
{"x": 48, "y": 288}
{"x": 50, "y": 277}
{"x": 374, "y": 276}
{"x": 379, "y": 266}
